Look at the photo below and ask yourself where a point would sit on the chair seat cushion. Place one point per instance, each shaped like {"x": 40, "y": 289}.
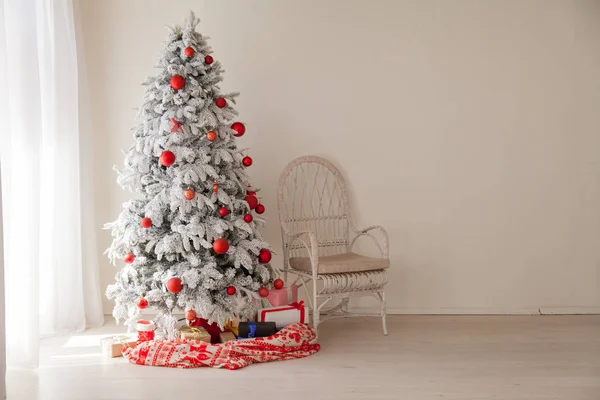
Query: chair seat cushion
{"x": 341, "y": 263}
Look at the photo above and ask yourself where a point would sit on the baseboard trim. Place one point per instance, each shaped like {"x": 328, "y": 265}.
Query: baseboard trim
{"x": 584, "y": 310}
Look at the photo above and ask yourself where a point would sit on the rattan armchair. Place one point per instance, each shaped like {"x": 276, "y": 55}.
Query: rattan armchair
{"x": 318, "y": 238}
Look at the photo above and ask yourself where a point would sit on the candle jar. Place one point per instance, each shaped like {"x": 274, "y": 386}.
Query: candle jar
{"x": 145, "y": 330}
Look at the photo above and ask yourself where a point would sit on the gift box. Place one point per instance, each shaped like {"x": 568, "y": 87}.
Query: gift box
{"x": 233, "y": 326}
{"x": 194, "y": 333}
{"x": 213, "y": 329}
{"x": 284, "y": 315}
{"x": 226, "y": 336}
{"x": 284, "y": 296}
{"x": 113, "y": 346}
{"x": 257, "y": 329}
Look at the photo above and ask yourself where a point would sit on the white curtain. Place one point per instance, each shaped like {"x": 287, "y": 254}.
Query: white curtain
{"x": 51, "y": 272}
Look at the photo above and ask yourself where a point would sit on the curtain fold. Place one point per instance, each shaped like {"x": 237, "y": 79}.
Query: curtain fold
{"x": 51, "y": 269}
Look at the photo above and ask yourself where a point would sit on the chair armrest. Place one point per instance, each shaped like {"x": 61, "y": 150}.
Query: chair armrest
{"x": 383, "y": 243}
{"x": 312, "y": 247}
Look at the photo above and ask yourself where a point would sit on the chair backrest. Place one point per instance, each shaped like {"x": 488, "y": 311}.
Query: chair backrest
{"x": 312, "y": 196}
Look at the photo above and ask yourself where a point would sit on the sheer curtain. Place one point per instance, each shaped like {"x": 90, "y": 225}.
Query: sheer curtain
{"x": 51, "y": 272}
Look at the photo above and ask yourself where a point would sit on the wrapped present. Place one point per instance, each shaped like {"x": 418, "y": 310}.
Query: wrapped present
{"x": 114, "y": 345}
{"x": 213, "y": 329}
{"x": 283, "y": 296}
{"x": 226, "y": 336}
{"x": 233, "y": 326}
{"x": 284, "y": 315}
{"x": 194, "y": 333}
{"x": 257, "y": 329}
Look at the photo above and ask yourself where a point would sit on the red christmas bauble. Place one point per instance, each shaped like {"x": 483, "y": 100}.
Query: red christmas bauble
{"x": 211, "y": 136}
{"x": 264, "y": 256}
{"x": 252, "y": 201}
{"x": 129, "y": 258}
{"x": 177, "y": 82}
{"x": 143, "y": 303}
{"x": 248, "y": 218}
{"x": 189, "y": 194}
{"x": 209, "y": 60}
{"x": 223, "y": 211}
{"x": 189, "y": 51}
{"x": 263, "y": 292}
{"x": 215, "y": 187}
{"x": 231, "y": 290}
{"x": 167, "y": 158}
{"x": 239, "y": 128}
{"x": 146, "y": 222}
{"x": 174, "y": 285}
{"x": 247, "y": 161}
{"x": 221, "y": 102}
{"x": 190, "y": 315}
{"x": 278, "y": 283}
{"x": 251, "y": 192}
{"x": 220, "y": 246}
{"x": 260, "y": 209}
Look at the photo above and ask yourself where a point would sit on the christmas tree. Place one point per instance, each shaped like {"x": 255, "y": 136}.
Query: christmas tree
{"x": 189, "y": 240}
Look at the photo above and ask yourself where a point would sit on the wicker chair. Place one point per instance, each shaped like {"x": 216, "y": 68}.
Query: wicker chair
{"x": 317, "y": 243}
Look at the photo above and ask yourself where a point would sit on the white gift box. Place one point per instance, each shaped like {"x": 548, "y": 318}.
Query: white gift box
{"x": 284, "y": 315}
{"x": 113, "y": 346}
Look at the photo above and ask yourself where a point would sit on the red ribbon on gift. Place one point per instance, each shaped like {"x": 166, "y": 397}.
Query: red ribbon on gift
{"x": 176, "y": 125}
{"x": 299, "y": 306}
{"x": 294, "y": 306}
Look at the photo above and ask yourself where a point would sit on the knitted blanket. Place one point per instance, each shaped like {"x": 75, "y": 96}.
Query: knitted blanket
{"x": 294, "y": 341}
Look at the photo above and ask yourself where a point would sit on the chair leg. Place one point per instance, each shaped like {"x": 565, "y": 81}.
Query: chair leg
{"x": 383, "y": 313}
{"x": 345, "y": 302}
{"x": 316, "y": 311}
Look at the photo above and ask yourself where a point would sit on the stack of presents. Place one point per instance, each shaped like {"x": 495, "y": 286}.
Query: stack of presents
{"x": 285, "y": 310}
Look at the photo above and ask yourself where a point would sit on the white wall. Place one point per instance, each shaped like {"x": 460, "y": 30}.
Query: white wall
{"x": 469, "y": 129}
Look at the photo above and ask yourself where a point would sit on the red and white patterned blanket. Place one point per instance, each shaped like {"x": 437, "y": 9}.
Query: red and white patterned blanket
{"x": 294, "y": 341}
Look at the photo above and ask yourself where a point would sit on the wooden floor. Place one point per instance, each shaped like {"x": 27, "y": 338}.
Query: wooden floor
{"x": 424, "y": 357}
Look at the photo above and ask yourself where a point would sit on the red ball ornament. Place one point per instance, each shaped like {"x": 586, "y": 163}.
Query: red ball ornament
{"x": 221, "y": 102}
{"x": 264, "y": 256}
{"x": 278, "y": 283}
{"x": 190, "y": 315}
{"x": 220, "y": 246}
{"x": 129, "y": 258}
{"x": 239, "y": 128}
{"x": 177, "y": 82}
{"x": 209, "y": 60}
{"x": 146, "y": 222}
{"x": 260, "y": 209}
{"x": 143, "y": 303}
{"x": 189, "y": 52}
{"x": 252, "y": 201}
{"x": 251, "y": 192}
{"x": 167, "y": 158}
{"x": 215, "y": 187}
{"x": 248, "y": 218}
{"x": 263, "y": 292}
{"x": 174, "y": 285}
{"x": 247, "y": 161}
{"x": 211, "y": 136}
{"x": 231, "y": 290}
{"x": 223, "y": 211}
{"x": 189, "y": 194}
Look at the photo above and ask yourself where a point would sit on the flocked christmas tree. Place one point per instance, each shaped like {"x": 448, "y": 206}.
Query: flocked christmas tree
{"x": 189, "y": 241}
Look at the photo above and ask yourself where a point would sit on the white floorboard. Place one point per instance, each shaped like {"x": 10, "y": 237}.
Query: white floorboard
{"x": 424, "y": 357}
